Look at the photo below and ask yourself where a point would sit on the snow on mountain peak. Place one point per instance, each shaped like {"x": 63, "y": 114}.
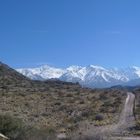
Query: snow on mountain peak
{"x": 76, "y": 72}
{"x": 137, "y": 70}
{"x": 91, "y": 76}
{"x": 45, "y": 72}
{"x": 97, "y": 67}
{"x": 73, "y": 68}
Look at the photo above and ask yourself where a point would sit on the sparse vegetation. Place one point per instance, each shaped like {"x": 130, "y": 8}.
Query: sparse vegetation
{"x": 10, "y": 126}
{"x": 54, "y": 105}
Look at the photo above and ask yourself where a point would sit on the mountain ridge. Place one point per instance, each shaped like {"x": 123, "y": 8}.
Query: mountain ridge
{"x": 90, "y": 76}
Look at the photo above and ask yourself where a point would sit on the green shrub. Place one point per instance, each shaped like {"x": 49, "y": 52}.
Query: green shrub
{"x": 36, "y": 134}
{"x": 10, "y": 126}
{"x": 15, "y": 130}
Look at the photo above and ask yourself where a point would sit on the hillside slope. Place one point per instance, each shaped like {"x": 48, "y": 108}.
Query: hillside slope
{"x": 56, "y": 105}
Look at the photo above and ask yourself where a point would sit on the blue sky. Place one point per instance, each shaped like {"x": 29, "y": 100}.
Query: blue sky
{"x": 70, "y": 32}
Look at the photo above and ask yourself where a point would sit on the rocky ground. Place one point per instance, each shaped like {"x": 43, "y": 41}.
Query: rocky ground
{"x": 63, "y": 108}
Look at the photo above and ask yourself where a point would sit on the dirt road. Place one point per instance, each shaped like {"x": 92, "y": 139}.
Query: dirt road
{"x": 126, "y": 120}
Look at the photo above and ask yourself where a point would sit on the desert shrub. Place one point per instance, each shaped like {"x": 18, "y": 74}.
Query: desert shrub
{"x": 10, "y": 126}
{"x": 57, "y": 103}
{"x": 36, "y": 134}
{"x": 94, "y": 137}
{"x": 86, "y": 113}
{"x": 103, "y": 97}
{"x": 99, "y": 117}
{"x": 107, "y": 103}
{"x": 69, "y": 95}
{"x": 16, "y": 130}
{"x": 81, "y": 102}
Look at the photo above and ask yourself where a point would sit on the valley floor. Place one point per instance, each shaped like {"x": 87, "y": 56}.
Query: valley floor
{"x": 126, "y": 121}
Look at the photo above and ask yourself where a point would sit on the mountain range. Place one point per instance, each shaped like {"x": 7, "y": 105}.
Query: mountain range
{"x": 89, "y": 76}
{"x": 53, "y": 105}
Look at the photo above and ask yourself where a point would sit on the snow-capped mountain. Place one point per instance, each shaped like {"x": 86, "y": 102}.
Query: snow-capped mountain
{"x": 91, "y": 76}
{"x": 42, "y": 73}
